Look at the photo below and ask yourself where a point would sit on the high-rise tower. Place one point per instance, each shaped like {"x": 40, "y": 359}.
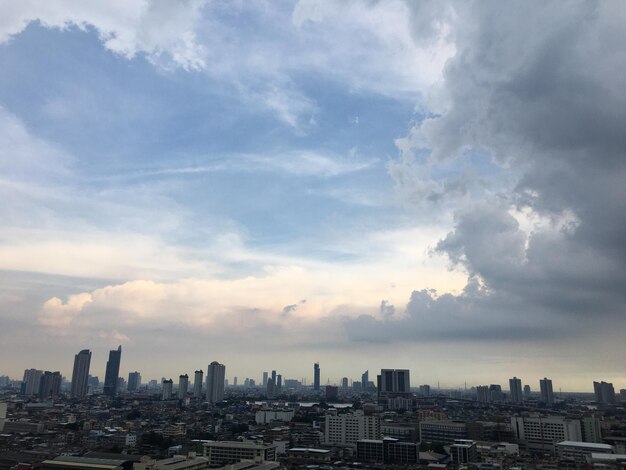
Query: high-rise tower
{"x": 183, "y": 385}
{"x": 547, "y": 395}
{"x": 515, "y": 387}
{"x": 197, "y": 384}
{"x": 215, "y": 382}
{"x": 80, "y": 374}
{"x": 112, "y": 372}
{"x": 316, "y": 376}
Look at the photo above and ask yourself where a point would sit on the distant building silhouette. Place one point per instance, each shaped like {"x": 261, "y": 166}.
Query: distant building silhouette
{"x": 515, "y": 387}
{"x": 547, "y": 396}
{"x": 183, "y": 386}
{"x": 316, "y": 376}
{"x": 215, "y": 382}
{"x": 134, "y": 381}
{"x": 112, "y": 372}
{"x": 50, "y": 384}
{"x": 166, "y": 393}
{"x": 264, "y": 380}
{"x": 604, "y": 392}
{"x": 198, "y": 379}
{"x": 80, "y": 374}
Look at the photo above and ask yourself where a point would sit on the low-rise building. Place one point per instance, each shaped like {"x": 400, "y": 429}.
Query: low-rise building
{"x": 222, "y": 453}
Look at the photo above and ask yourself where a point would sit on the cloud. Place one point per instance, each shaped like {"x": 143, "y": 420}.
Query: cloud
{"x": 164, "y": 32}
{"x": 536, "y": 89}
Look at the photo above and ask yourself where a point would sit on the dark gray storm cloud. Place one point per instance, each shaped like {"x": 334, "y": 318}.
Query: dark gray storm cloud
{"x": 541, "y": 87}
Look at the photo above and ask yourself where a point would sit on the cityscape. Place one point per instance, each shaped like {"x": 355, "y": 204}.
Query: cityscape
{"x": 312, "y": 234}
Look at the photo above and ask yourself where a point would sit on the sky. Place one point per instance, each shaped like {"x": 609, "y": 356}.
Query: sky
{"x": 431, "y": 185}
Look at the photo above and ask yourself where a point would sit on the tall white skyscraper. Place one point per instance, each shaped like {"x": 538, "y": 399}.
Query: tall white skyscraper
{"x": 547, "y": 395}
{"x": 215, "y": 382}
{"x": 515, "y": 387}
{"x": 80, "y": 374}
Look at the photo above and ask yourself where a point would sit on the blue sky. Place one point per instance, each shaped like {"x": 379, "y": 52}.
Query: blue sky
{"x": 327, "y": 179}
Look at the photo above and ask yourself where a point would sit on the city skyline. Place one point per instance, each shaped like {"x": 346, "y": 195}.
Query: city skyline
{"x": 435, "y": 186}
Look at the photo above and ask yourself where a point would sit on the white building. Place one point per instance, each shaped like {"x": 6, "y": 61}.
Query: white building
{"x": 177, "y": 462}
{"x": 348, "y": 428}
{"x": 167, "y": 389}
{"x": 541, "y": 433}
{"x": 222, "y": 453}
{"x": 578, "y": 452}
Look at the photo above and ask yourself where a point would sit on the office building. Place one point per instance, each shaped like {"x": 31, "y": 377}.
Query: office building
{"x": 482, "y": 393}
{"x": 576, "y": 454}
{"x": 527, "y": 392}
{"x": 463, "y": 451}
{"x": 515, "y": 387}
{"x": 279, "y": 382}
{"x": 80, "y": 374}
{"x": 134, "y": 381}
{"x": 348, "y": 428}
{"x": 542, "y": 433}
{"x": 270, "y": 388}
{"x": 332, "y": 392}
{"x": 222, "y": 453}
{"x": 50, "y": 384}
{"x": 316, "y": 376}
{"x": 264, "y": 380}
{"x": 198, "y": 379}
{"x": 176, "y": 462}
{"x": 547, "y": 395}
{"x": 591, "y": 429}
{"x": 393, "y": 381}
{"x": 388, "y": 451}
{"x": 166, "y": 392}
{"x": 274, "y": 376}
{"x": 112, "y": 372}
{"x": 424, "y": 390}
{"x": 235, "y": 381}
{"x": 365, "y": 380}
{"x": 604, "y": 392}
{"x": 183, "y": 386}
{"x": 344, "y": 383}
{"x": 215, "y": 382}
{"x": 495, "y": 393}
{"x": 30, "y": 382}
{"x": 442, "y": 431}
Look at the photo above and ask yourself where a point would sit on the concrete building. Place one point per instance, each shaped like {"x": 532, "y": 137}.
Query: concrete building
{"x": 393, "y": 381}
{"x": 577, "y": 453}
{"x": 547, "y": 395}
{"x": 541, "y": 433}
{"x": 30, "y": 382}
{"x": 332, "y": 392}
{"x": 444, "y": 432}
{"x": 387, "y": 451}
{"x": 267, "y": 416}
{"x": 463, "y": 451}
{"x": 197, "y": 384}
{"x": 177, "y": 462}
{"x": 228, "y": 452}
{"x": 166, "y": 392}
{"x": 604, "y": 392}
{"x": 50, "y": 384}
{"x": 424, "y": 390}
{"x": 344, "y": 383}
{"x": 482, "y": 393}
{"x": 264, "y": 379}
{"x": 215, "y": 382}
{"x": 316, "y": 376}
{"x": 515, "y": 388}
{"x": 183, "y": 386}
{"x": 80, "y": 374}
{"x": 112, "y": 372}
{"x": 134, "y": 381}
{"x": 348, "y": 428}
{"x": 527, "y": 392}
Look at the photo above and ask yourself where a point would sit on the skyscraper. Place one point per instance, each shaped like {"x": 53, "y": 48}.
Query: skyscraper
{"x": 515, "y": 387}
{"x": 365, "y": 380}
{"x": 112, "y": 372}
{"x": 344, "y": 383}
{"x": 183, "y": 386}
{"x": 215, "y": 382}
{"x": 264, "y": 381}
{"x": 279, "y": 381}
{"x": 274, "y": 376}
{"x": 134, "y": 381}
{"x": 316, "y": 376}
{"x": 80, "y": 374}
{"x": 604, "y": 391}
{"x": 197, "y": 384}
{"x": 30, "y": 382}
{"x": 547, "y": 396}
{"x": 393, "y": 381}
{"x": 50, "y": 384}
{"x": 166, "y": 393}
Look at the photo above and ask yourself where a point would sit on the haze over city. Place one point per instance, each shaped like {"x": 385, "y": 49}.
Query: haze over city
{"x": 430, "y": 186}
